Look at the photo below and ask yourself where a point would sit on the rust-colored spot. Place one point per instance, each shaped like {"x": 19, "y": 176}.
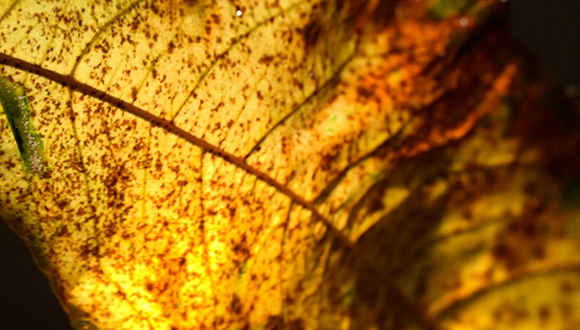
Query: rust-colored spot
{"x": 543, "y": 313}
{"x": 134, "y": 92}
{"x": 63, "y": 231}
{"x": 236, "y": 304}
{"x": 266, "y": 59}
{"x": 566, "y": 287}
{"x": 310, "y": 33}
{"x": 364, "y": 93}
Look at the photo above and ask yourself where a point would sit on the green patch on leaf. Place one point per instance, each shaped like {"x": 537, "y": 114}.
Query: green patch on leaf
{"x": 17, "y": 110}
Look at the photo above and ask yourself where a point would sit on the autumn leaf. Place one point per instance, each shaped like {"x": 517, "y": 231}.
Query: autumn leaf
{"x": 290, "y": 165}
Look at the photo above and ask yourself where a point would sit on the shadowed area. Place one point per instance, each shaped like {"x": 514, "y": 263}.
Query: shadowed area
{"x": 26, "y": 302}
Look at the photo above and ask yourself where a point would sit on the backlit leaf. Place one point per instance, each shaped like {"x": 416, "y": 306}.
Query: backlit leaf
{"x": 284, "y": 164}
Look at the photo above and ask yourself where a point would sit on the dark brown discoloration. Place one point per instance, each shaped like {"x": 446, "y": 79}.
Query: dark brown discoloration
{"x": 544, "y": 313}
{"x": 310, "y": 33}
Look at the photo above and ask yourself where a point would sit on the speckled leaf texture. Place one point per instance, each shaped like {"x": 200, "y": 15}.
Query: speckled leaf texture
{"x": 291, "y": 164}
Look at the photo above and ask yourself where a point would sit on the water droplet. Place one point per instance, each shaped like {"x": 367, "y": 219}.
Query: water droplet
{"x": 239, "y": 13}
{"x": 464, "y": 22}
{"x": 311, "y": 74}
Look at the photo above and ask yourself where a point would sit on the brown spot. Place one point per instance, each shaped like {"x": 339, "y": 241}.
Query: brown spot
{"x": 364, "y": 93}
{"x": 375, "y": 206}
{"x": 236, "y": 304}
{"x": 274, "y": 322}
{"x": 266, "y": 59}
{"x": 63, "y": 231}
{"x": 134, "y": 92}
{"x": 87, "y": 250}
{"x": 62, "y": 204}
{"x": 539, "y": 252}
{"x": 310, "y": 33}
{"x": 501, "y": 251}
{"x": 155, "y": 9}
{"x": 566, "y": 287}
{"x": 135, "y": 25}
{"x": 543, "y": 313}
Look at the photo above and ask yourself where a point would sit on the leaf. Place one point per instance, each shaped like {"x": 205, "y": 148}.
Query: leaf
{"x": 289, "y": 164}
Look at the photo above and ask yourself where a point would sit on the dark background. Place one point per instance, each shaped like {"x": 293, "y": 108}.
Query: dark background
{"x": 551, "y": 28}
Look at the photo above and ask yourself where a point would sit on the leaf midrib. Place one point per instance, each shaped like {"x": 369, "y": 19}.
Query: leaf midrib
{"x": 83, "y": 88}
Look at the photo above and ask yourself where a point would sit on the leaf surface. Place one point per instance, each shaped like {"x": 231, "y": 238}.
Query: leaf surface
{"x": 289, "y": 165}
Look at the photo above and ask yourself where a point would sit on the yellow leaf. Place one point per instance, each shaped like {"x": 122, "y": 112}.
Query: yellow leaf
{"x": 287, "y": 164}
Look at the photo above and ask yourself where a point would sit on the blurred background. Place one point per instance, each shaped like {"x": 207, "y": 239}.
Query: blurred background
{"x": 550, "y": 28}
